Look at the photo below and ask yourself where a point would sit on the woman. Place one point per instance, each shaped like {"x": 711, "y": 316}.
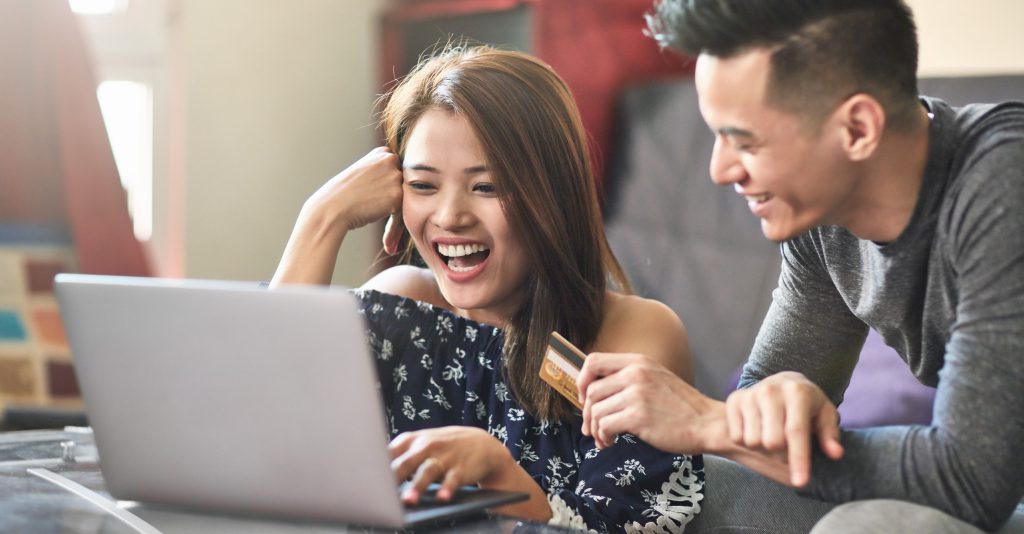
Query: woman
{"x": 487, "y": 169}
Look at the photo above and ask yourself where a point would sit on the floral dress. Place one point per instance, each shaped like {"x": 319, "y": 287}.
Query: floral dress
{"x": 439, "y": 369}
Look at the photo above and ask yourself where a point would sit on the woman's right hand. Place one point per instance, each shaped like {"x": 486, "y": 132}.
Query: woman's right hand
{"x": 367, "y": 191}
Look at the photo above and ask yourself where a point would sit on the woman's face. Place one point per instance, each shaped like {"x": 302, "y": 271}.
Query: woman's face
{"x": 456, "y": 221}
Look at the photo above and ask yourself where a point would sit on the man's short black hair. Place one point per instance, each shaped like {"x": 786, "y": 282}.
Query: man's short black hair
{"x": 823, "y": 51}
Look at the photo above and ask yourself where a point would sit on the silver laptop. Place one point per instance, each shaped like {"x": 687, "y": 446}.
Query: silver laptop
{"x": 226, "y": 396}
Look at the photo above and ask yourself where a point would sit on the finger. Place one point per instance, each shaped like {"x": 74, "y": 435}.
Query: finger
{"x": 585, "y": 427}
{"x": 798, "y": 437}
{"x": 597, "y": 365}
{"x": 773, "y": 420}
{"x": 400, "y": 444}
{"x": 405, "y": 466}
{"x": 827, "y": 428}
{"x": 612, "y": 425}
{"x": 734, "y": 415}
{"x": 597, "y": 391}
{"x": 449, "y": 485}
{"x": 751, "y": 421}
{"x": 429, "y": 471}
{"x": 393, "y": 233}
{"x": 603, "y": 420}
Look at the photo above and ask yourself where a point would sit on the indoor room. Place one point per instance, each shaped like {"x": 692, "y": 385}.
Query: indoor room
{"x": 197, "y": 196}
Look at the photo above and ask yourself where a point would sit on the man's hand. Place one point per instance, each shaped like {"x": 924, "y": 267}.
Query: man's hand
{"x": 631, "y": 393}
{"x": 778, "y": 415}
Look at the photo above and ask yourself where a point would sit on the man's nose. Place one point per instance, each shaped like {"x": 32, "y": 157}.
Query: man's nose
{"x": 725, "y": 165}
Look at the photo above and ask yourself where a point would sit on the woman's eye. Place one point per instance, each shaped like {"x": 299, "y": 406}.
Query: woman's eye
{"x": 485, "y": 188}
{"x": 420, "y": 186}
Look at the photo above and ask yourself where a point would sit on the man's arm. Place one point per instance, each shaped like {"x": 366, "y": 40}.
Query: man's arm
{"x": 967, "y": 463}
{"x": 809, "y": 327}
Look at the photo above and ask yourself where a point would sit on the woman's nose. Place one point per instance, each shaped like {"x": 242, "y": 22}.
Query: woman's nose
{"x": 453, "y": 211}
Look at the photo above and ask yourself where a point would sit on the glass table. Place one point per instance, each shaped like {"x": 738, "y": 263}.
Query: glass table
{"x": 50, "y": 481}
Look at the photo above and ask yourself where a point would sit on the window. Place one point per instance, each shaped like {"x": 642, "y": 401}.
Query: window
{"x": 97, "y": 7}
{"x": 128, "y": 114}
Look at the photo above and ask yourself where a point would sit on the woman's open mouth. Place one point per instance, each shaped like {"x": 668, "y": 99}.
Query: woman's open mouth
{"x": 463, "y": 258}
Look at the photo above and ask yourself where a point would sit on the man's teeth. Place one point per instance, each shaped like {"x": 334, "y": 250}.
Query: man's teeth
{"x": 455, "y": 251}
{"x": 757, "y": 198}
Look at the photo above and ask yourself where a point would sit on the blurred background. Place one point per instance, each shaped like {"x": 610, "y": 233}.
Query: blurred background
{"x": 180, "y": 138}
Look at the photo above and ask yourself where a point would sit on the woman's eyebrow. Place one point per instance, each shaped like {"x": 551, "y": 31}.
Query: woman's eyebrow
{"x": 475, "y": 169}
{"x": 422, "y": 167}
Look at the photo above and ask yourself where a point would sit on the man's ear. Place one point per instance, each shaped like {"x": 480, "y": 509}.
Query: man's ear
{"x": 862, "y": 119}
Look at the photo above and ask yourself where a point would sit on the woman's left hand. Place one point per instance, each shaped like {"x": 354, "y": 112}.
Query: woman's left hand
{"x": 452, "y": 455}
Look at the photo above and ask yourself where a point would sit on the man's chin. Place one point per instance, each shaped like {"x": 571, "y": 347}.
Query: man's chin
{"x": 778, "y": 233}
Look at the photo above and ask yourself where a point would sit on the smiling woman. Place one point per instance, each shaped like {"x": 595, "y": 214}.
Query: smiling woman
{"x": 487, "y": 169}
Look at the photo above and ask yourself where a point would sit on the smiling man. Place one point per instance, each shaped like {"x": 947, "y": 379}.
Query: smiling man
{"x": 894, "y": 212}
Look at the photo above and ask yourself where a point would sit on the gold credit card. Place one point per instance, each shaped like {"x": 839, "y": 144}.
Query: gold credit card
{"x": 561, "y": 367}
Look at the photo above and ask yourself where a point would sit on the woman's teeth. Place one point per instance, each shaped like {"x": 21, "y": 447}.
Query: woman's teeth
{"x": 455, "y": 251}
{"x": 754, "y": 199}
{"x": 455, "y": 256}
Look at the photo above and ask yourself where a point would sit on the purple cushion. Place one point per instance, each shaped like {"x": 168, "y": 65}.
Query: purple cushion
{"x": 883, "y": 391}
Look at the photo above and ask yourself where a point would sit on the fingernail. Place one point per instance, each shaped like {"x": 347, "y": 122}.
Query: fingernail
{"x": 411, "y": 496}
{"x": 444, "y": 494}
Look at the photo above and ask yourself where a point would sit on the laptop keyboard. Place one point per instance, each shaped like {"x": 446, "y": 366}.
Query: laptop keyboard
{"x": 428, "y": 498}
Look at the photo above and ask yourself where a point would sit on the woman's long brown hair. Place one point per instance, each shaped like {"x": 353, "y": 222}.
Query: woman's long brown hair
{"x": 529, "y": 127}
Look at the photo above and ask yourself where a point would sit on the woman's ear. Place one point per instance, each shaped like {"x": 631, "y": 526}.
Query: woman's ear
{"x": 862, "y": 119}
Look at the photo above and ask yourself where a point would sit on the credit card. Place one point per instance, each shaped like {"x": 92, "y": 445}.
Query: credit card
{"x": 561, "y": 367}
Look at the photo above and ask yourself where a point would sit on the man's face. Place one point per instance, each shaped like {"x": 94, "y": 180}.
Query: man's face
{"x": 793, "y": 179}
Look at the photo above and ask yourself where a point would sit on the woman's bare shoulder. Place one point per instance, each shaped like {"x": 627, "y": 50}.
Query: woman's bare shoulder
{"x": 640, "y": 325}
{"x": 408, "y": 281}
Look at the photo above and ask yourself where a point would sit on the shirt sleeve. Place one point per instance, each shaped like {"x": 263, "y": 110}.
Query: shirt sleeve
{"x": 629, "y": 487}
{"x": 967, "y": 463}
{"x": 807, "y": 321}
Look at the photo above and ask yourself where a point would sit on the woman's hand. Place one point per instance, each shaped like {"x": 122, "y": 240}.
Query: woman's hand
{"x": 633, "y": 393}
{"x": 460, "y": 455}
{"x": 367, "y": 191}
{"x": 452, "y": 455}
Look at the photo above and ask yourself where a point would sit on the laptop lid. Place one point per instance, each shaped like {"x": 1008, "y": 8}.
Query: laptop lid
{"x": 228, "y": 396}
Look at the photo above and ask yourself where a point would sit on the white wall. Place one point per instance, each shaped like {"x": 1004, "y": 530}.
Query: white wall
{"x": 970, "y": 38}
{"x": 277, "y": 98}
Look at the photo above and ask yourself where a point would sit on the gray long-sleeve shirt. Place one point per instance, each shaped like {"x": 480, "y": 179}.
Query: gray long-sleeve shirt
{"x": 948, "y": 295}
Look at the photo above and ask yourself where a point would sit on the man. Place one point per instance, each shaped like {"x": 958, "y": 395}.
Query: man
{"x": 893, "y": 212}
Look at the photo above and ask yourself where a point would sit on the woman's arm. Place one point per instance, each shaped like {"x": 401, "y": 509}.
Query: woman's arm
{"x": 367, "y": 191}
{"x": 637, "y": 325}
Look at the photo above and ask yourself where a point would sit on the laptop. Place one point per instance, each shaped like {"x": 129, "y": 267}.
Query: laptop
{"x": 229, "y": 397}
